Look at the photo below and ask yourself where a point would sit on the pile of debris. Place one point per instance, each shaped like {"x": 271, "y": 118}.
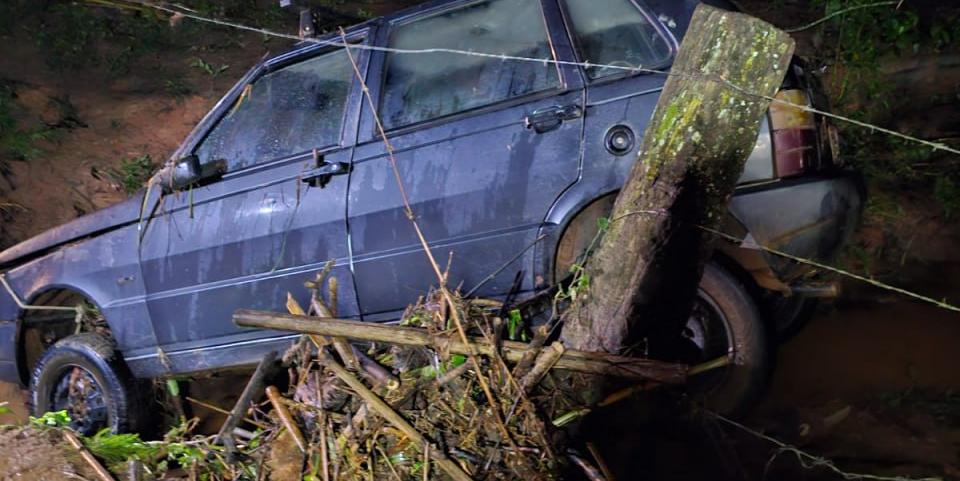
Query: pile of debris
{"x": 443, "y": 395}
{"x": 398, "y": 411}
{"x": 447, "y": 394}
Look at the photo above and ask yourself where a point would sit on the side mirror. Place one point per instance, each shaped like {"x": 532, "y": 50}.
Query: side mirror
{"x": 188, "y": 170}
{"x": 185, "y": 172}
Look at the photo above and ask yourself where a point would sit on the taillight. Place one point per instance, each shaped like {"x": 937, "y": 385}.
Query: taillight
{"x": 794, "y": 133}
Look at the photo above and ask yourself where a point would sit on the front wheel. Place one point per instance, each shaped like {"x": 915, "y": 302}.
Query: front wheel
{"x": 83, "y": 376}
{"x": 725, "y": 321}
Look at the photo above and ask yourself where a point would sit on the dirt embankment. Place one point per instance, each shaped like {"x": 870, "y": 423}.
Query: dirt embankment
{"x": 98, "y": 121}
{"x": 111, "y": 119}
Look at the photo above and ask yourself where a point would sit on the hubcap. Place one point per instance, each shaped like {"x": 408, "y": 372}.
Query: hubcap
{"x": 78, "y": 392}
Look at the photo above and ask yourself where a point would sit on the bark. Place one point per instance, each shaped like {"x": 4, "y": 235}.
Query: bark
{"x": 644, "y": 274}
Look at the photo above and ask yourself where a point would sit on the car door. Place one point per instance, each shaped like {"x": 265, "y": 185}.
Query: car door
{"x": 484, "y": 145}
{"x": 616, "y": 35}
{"x": 271, "y": 222}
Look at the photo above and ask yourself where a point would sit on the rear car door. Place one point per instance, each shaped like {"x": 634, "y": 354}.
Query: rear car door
{"x": 616, "y": 35}
{"x": 613, "y": 37}
{"x": 484, "y": 146}
{"x": 270, "y": 223}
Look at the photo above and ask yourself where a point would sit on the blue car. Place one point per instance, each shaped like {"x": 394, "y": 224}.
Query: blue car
{"x": 507, "y": 164}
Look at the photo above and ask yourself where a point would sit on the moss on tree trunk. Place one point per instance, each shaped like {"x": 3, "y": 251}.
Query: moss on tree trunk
{"x": 644, "y": 274}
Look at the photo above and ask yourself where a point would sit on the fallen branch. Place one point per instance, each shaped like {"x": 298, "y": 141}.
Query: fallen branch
{"x": 254, "y": 386}
{"x": 545, "y": 361}
{"x": 571, "y": 360}
{"x": 286, "y": 419}
{"x": 87, "y": 456}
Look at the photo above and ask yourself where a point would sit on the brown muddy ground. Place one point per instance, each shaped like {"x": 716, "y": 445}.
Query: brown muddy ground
{"x": 35, "y": 455}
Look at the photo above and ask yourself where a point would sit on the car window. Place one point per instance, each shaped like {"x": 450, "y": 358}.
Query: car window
{"x": 291, "y": 110}
{"x": 615, "y": 32}
{"x": 421, "y": 87}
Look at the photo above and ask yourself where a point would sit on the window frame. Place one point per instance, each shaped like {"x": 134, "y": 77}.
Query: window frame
{"x": 379, "y": 69}
{"x": 304, "y": 51}
{"x": 661, "y": 30}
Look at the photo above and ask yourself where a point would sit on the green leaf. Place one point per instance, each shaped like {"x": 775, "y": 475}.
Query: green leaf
{"x": 173, "y": 387}
{"x": 603, "y": 223}
{"x": 52, "y": 419}
{"x": 513, "y": 324}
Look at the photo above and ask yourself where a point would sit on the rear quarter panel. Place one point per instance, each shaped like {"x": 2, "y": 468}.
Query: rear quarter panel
{"x": 810, "y": 217}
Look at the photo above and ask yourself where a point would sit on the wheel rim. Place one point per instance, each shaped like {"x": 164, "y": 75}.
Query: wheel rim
{"x": 77, "y": 392}
{"x": 709, "y": 337}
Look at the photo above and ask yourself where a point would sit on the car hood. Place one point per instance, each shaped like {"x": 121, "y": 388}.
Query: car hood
{"x": 103, "y": 220}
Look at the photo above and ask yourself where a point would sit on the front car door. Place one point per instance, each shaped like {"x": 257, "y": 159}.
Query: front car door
{"x": 268, "y": 225}
{"x": 484, "y": 146}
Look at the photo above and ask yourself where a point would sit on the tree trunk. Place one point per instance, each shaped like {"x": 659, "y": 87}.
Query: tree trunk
{"x": 644, "y": 274}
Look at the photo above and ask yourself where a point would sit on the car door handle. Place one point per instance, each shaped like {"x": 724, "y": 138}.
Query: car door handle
{"x": 549, "y": 118}
{"x": 319, "y": 176}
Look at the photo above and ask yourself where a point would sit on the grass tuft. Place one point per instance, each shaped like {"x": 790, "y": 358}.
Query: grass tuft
{"x": 134, "y": 172}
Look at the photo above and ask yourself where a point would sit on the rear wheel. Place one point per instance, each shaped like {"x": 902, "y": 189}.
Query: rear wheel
{"x": 788, "y": 315}
{"x": 83, "y": 376}
{"x": 725, "y": 321}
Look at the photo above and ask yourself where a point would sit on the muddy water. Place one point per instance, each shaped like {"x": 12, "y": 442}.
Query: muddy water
{"x": 860, "y": 351}
{"x": 873, "y": 384}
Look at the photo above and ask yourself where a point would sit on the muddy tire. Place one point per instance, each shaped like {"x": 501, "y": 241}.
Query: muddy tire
{"x": 83, "y": 375}
{"x": 725, "y": 321}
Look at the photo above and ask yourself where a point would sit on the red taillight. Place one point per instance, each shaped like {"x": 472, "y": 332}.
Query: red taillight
{"x": 794, "y": 133}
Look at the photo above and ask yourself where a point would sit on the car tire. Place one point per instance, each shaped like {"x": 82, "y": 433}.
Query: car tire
{"x": 725, "y": 321}
{"x": 83, "y": 375}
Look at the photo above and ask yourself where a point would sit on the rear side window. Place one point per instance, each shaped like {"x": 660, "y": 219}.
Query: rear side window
{"x": 424, "y": 86}
{"x": 288, "y": 111}
{"x": 616, "y": 33}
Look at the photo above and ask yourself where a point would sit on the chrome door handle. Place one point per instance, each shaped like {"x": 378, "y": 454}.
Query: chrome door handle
{"x": 549, "y": 118}
{"x": 319, "y": 176}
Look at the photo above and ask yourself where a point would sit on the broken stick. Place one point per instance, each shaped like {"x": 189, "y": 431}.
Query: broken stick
{"x": 254, "y": 386}
{"x": 286, "y": 418}
{"x": 87, "y": 456}
{"x": 588, "y": 362}
{"x": 545, "y": 361}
